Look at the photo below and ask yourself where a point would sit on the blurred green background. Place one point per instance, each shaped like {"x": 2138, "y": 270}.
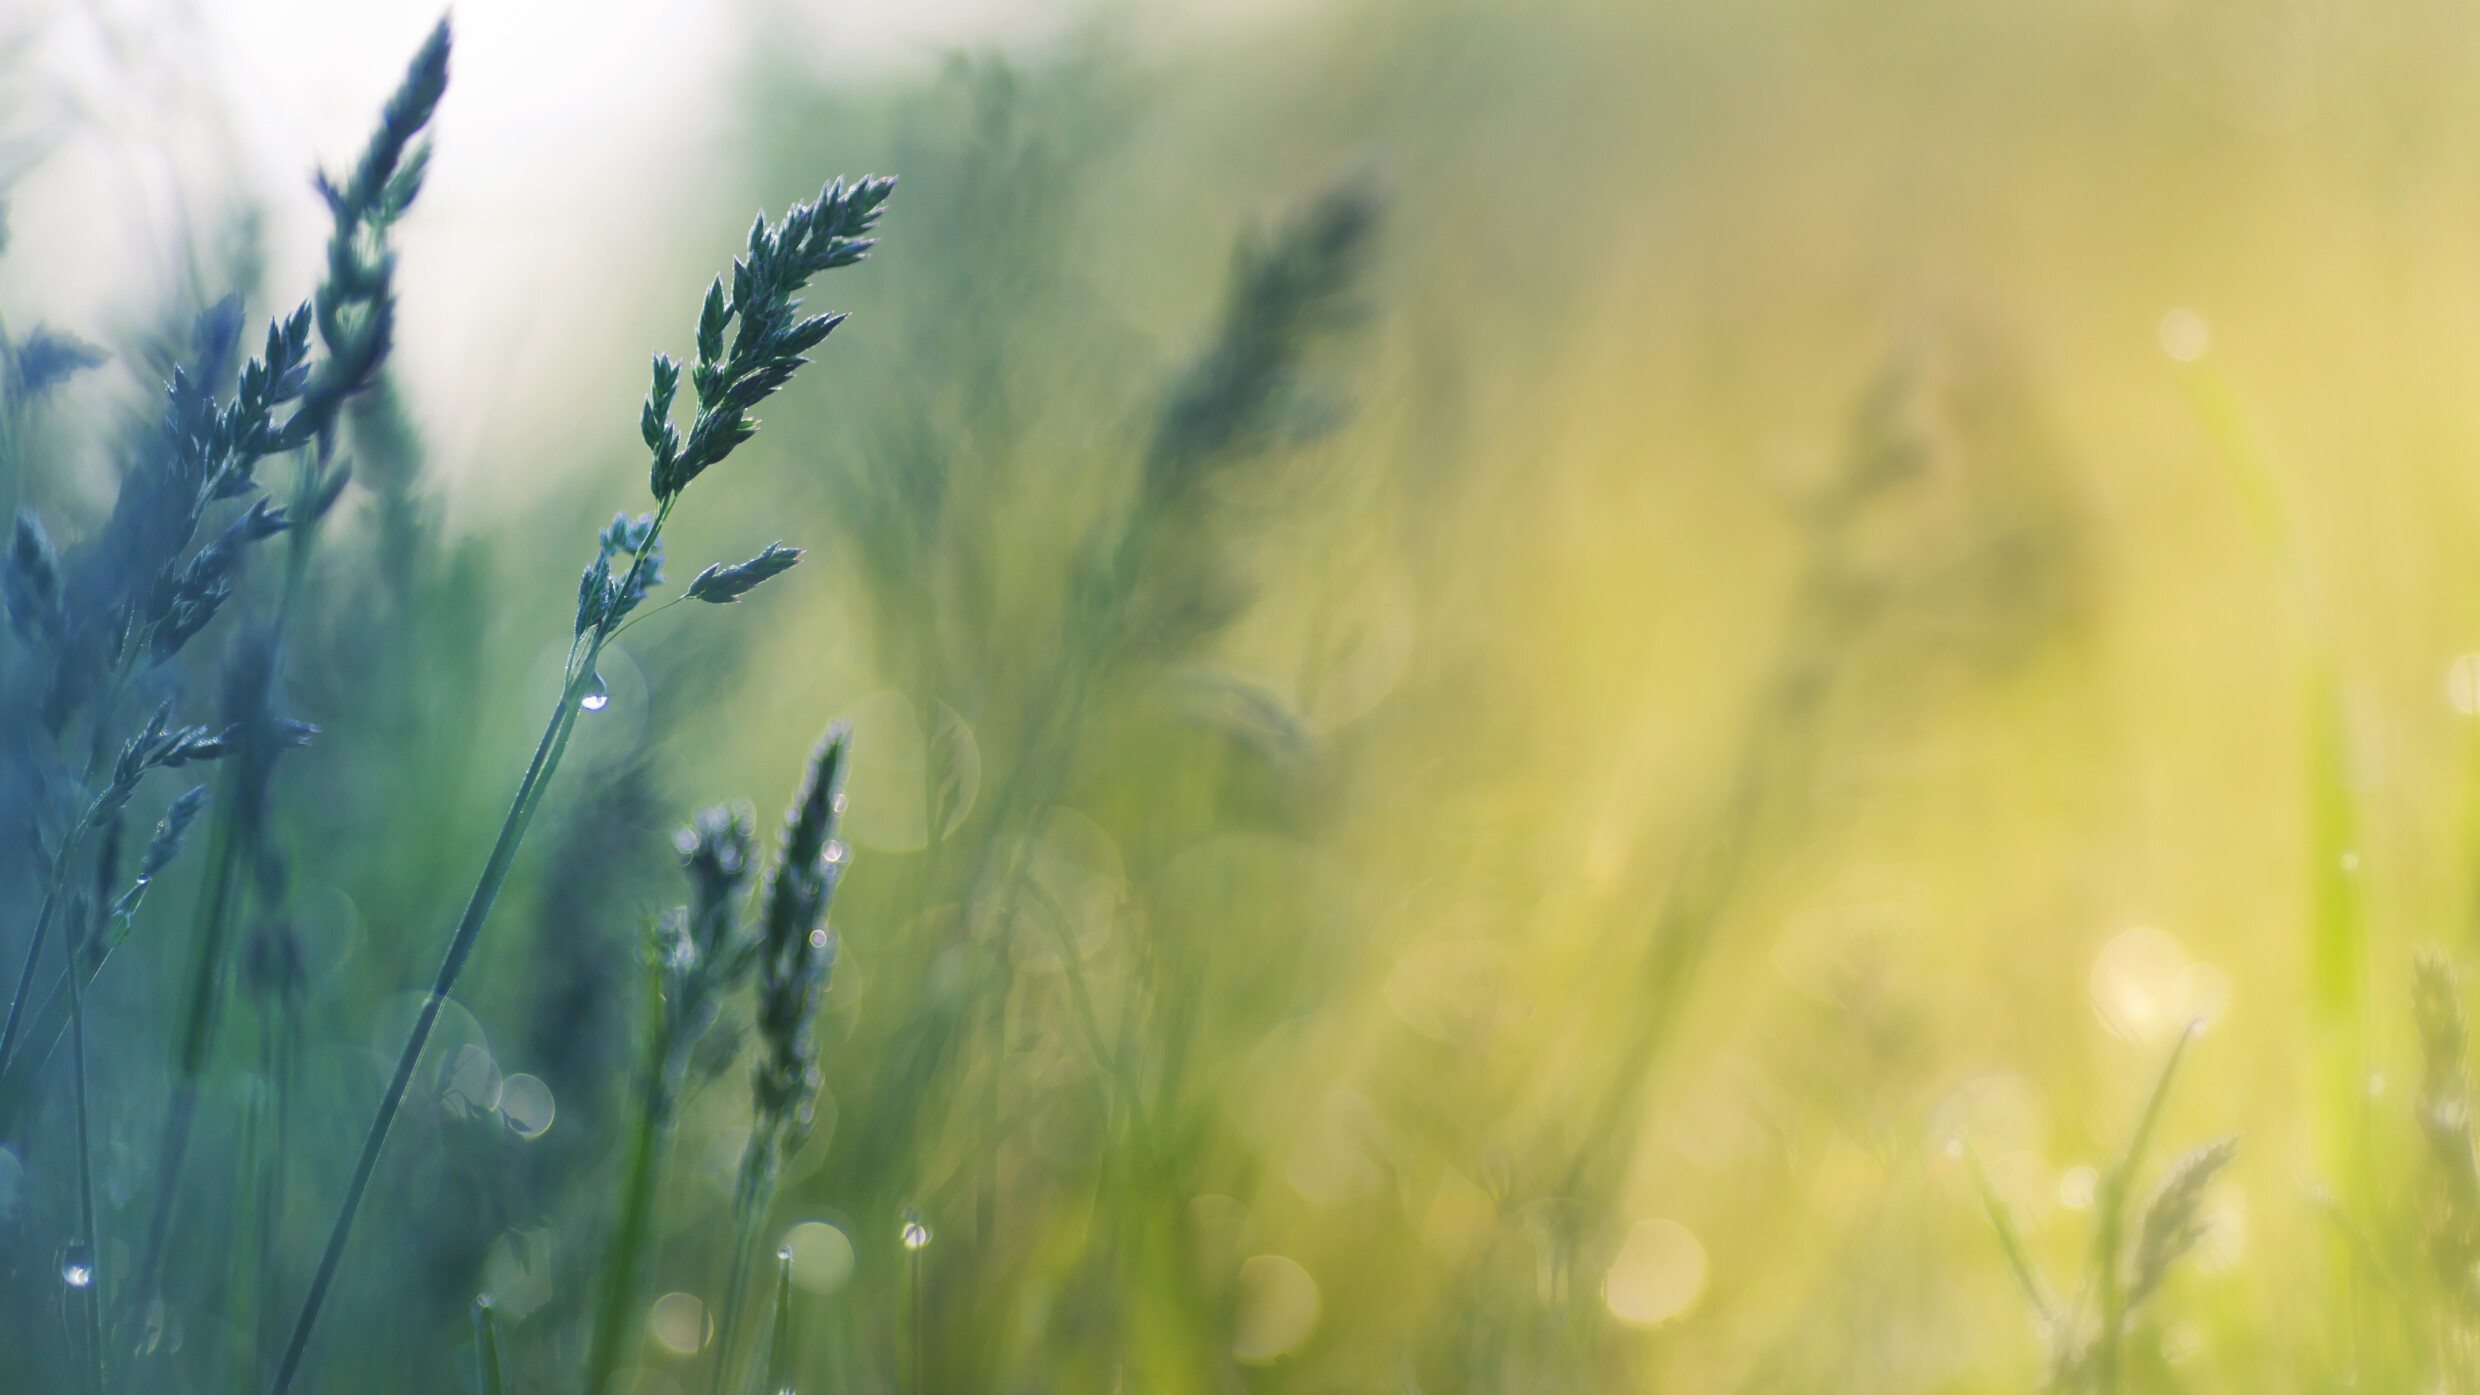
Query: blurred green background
{"x": 1850, "y": 570}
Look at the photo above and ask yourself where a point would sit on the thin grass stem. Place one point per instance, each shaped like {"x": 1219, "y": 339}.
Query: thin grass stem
{"x": 783, "y": 1348}
{"x": 486, "y": 1347}
{"x": 521, "y": 809}
{"x": 2110, "y": 1219}
{"x": 616, "y": 1322}
{"x": 92, "y": 1291}
{"x": 752, "y": 1206}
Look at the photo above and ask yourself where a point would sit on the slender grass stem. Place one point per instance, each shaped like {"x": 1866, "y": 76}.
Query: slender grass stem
{"x": 2110, "y": 1219}
{"x": 25, "y": 977}
{"x": 42, "y": 927}
{"x": 93, "y": 1288}
{"x": 752, "y": 1204}
{"x": 217, "y": 904}
{"x": 920, "y": 1327}
{"x": 616, "y": 1322}
{"x": 486, "y": 1346}
{"x": 2010, "y": 1238}
{"x": 521, "y": 810}
{"x": 783, "y": 1348}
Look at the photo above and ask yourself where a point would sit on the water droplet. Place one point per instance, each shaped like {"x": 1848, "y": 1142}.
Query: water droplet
{"x": 915, "y": 1234}
{"x": 597, "y": 696}
{"x": 77, "y": 1264}
{"x": 818, "y": 938}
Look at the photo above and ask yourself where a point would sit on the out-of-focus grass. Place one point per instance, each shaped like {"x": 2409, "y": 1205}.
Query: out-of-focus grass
{"x": 1789, "y": 653}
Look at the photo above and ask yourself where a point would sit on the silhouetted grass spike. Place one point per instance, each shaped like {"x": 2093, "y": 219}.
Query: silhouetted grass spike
{"x": 768, "y": 345}
{"x": 694, "y": 956}
{"x": 44, "y": 360}
{"x": 356, "y": 303}
{"x": 33, "y": 579}
{"x": 795, "y": 954}
{"x": 2175, "y": 1221}
{"x": 407, "y": 111}
{"x": 810, "y": 238}
{"x": 722, "y": 585}
{"x": 718, "y": 855}
{"x": 165, "y": 845}
{"x": 1287, "y": 291}
{"x": 604, "y": 598}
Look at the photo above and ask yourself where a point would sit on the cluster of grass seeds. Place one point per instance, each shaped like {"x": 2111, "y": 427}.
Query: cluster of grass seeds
{"x": 767, "y": 346}
{"x": 1064, "y": 659}
{"x": 1056, "y": 1103}
{"x": 694, "y": 958}
{"x": 105, "y": 625}
{"x": 102, "y": 631}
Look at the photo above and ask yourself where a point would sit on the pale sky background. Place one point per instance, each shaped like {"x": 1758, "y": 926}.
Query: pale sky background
{"x": 569, "y": 124}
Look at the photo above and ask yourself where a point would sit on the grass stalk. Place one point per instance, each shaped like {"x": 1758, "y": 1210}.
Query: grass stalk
{"x": 616, "y": 1321}
{"x": 783, "y": 1348}
{"x": 217, "y": 904}
{"x": 547, "y": 753}
{"x": 26, "y": 975}
{"x": 750, "y": 1204}
{"x": 91, "y": 1294}
{"x": 2110, "y": 1212}
{"x": 486, "y": 1347}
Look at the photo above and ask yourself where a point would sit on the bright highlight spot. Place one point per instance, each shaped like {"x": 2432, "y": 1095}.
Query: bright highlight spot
{"x": 2075, "y": 1187}
{"x": 1658, "y": 1275}
{"x": 679, "y": 1324}
{"x": 2145, "y": 988}
{"x": 2183, "y": 335}
{"x": 1277, "y": 1309}
{"x": 822, "y": 1256}
{"x": 2463, "y": 684}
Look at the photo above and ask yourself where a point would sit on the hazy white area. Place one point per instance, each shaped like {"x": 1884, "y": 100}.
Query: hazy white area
{"x": 578, "y": 153}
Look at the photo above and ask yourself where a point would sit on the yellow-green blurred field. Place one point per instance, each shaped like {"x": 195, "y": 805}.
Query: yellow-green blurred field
{"x": 1855, "y": 568}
